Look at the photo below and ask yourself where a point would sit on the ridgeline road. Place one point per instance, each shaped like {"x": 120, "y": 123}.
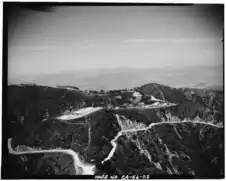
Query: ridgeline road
{"x": 84, "y": 112}
{"x": 79, "y": 113}
{"x": 114, "y": 144}
{"x": 89, "y": 169}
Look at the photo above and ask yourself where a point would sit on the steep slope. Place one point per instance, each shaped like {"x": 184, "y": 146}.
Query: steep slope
{"x": 205, "y": 103}
{"x": 31, "y": 120}
{"x": 185, "y": 149}
{"x": 163, "y": 92}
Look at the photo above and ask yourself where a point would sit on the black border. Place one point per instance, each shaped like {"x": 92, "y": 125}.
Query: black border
{"x": 44, "y": 6}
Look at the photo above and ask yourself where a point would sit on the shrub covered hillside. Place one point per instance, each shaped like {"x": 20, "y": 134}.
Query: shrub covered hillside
{"x": 31, "y": 112}
{"x": 205, "y": 103}
{"x": 167, "y": 148}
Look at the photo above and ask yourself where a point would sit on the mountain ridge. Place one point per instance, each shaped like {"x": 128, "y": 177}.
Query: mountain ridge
{"x": 31, "y": 121}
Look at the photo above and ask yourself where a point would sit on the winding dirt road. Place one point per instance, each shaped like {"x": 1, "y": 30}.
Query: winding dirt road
{"x": 86, "y": 169}
{"x": 89, "y": 169}
{"x": 114, "y": 144}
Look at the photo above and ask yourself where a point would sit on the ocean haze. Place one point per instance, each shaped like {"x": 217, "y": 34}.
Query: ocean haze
{"x": 105, "y": 37}
{"x": 113, "y": 47}
{"x": 130, "y": 77}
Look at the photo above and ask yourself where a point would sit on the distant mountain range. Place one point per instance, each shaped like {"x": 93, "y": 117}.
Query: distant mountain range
{"x": 197, "y": 77}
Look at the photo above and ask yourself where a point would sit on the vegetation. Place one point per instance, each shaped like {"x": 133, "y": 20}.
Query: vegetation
{"x": 30, "y": 120}
{"x": 163, "y": 151}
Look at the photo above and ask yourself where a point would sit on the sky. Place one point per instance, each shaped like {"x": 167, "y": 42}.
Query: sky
{"x": 76, "y": 38}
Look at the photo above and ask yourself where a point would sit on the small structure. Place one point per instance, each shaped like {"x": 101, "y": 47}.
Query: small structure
{"x": 118, "y": 97}
{"x": 137, "y": 97}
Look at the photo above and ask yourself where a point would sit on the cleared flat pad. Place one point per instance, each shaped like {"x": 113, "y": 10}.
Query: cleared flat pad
{"x": 79, "y": 113}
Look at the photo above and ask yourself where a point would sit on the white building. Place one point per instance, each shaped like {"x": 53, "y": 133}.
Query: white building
{"x": 137, "y": 96}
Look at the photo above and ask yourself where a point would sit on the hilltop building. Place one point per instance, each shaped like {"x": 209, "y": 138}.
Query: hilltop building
{"x": 137, "y": 97}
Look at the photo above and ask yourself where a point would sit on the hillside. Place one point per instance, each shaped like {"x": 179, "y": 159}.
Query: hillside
{"x": 205, "y": 103}
{"x": 169, "y": 149}
{"x": 31, "y": 120}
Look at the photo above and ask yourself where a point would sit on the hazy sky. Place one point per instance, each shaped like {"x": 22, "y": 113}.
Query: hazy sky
{"x": 77, "y": 38}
